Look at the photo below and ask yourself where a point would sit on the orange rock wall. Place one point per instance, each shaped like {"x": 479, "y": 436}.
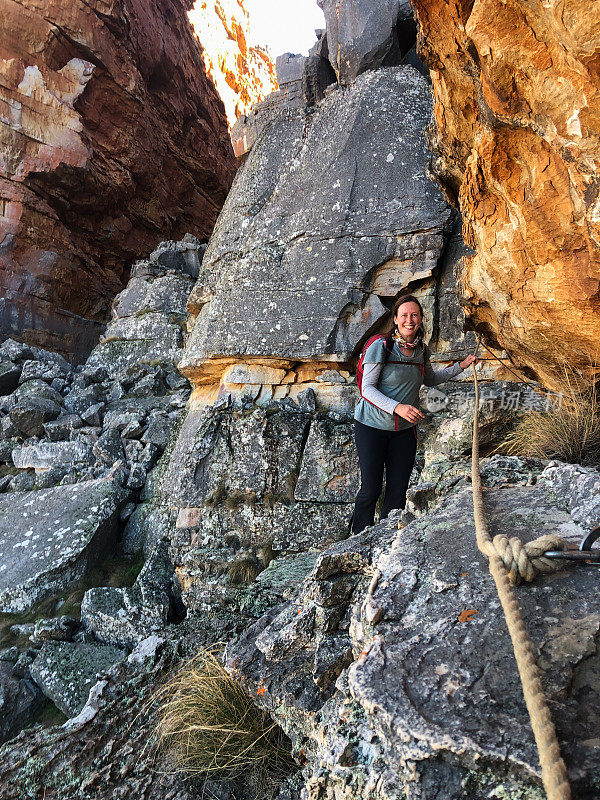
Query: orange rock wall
{"x": 112, "y": 138}
{"x": 242, "y": 71}
{"x": 516, "y": 147}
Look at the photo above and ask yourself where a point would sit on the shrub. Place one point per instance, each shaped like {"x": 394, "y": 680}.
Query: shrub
{"x": 569, "y": 432}
{"x": 211, "y": 728}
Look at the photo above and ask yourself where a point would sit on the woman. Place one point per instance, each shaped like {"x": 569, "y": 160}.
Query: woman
{"x": 394, "y": 368}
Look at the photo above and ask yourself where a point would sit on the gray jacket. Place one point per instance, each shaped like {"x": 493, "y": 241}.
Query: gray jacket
{"x": 399, "y": 381}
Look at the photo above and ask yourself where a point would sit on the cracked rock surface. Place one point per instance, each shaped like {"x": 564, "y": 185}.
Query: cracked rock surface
{"x": 392, "y": 668}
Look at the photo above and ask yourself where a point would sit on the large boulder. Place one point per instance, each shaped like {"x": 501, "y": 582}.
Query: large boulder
{"x": 51, "y": 537}
{"x": 364, "y": 35}
{"x": 66, "y": 671}
{"x": 392, "y": 670}
{"x": 327, "y": 215}
{"x": 125, "y": 617}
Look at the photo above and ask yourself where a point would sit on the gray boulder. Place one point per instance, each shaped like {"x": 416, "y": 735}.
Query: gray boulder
{"x": 55, "y": 629}
{"x": 125, "y": 617}
{"x": 167, "y": 294}
{"x": 392, "y": 668}
{"x": 22, "y": 482}
{"x": 60, "y": 429}
{"x": 44, "y": 370}
{"x": 159, "y": 429}
{"x": 78, "y": 400}
{"x": 19, "y": 700}
{"x": 12, "y": 350}
{"x": 363, "y": 35}
{"x": 66, "y": 671}
{"x": 577, "y": 489}
{"x": 31, "y": 414}
{"x": 109, "y": 447}
{"x": 35, "y": 388}
{"x": 51, "y": 537}
{"x": 322, "y": 220}
{"x": 45, "y": 455}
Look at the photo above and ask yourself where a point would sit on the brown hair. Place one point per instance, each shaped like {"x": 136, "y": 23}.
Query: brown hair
{"x": 406, "y": 298}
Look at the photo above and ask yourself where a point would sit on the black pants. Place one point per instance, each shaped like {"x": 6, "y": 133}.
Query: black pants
{"x": 394, "y": 450}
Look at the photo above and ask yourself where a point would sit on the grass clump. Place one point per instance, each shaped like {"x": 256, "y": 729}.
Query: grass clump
{"x": 211, "y": 728}
{"x": 244, "y": 571}
{"x": 568, "y": 431}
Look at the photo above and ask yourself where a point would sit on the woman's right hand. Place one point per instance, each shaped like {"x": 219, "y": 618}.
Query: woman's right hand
{"x": 409, "y": 413}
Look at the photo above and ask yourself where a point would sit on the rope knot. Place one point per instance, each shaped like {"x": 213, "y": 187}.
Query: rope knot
{"x": 523, "y": 561}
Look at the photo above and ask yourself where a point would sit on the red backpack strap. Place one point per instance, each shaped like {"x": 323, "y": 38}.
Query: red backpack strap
{"x": 387, "y": 350}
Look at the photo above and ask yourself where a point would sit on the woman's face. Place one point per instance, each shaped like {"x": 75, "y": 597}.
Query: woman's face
{"x": 408, "y": 318}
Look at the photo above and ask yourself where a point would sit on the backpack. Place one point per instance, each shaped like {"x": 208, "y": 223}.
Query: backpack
{"x": 359, "y": 367}
{"x": 389, "y": 344}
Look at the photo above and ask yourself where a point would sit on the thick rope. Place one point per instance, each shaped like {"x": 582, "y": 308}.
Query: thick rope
{"x": 523, "y": 561}
{"x": 554, "y": 772}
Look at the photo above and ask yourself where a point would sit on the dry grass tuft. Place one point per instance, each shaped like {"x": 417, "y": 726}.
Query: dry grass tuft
{"x": 210, "y": 727}
{"x": 570, "y": 431}
{"x": 244, "y": 571}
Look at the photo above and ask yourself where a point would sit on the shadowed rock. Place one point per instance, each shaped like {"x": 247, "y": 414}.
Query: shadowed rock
{"x": 365, "y": 35}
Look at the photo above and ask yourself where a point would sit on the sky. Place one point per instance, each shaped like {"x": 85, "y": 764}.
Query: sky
{"x": 285, "y": 25}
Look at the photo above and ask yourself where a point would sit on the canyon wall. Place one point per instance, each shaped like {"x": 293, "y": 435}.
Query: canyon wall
{"x": 112, "y": 135}
{"x": 242, "y": 71}
{"x": 516, "y": 148}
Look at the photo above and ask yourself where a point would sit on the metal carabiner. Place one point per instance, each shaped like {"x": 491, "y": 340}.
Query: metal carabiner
{"x": 584, "y": 555}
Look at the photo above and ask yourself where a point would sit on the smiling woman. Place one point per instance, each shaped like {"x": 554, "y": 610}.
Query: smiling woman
{"x": 394, "y": 367}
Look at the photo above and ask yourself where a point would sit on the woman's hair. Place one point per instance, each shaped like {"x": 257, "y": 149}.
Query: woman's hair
{"x": 406, "y": 298}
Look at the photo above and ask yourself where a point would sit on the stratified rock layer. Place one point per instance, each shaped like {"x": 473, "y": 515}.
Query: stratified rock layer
{"x": 517, "y": 113}
{"x": 112, "y": 136}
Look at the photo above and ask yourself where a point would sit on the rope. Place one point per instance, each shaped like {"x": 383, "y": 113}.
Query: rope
{"x": 525, "y": 561}
{"x": 554, "y": 772}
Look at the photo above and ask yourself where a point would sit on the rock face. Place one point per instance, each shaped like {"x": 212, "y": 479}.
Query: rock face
{"x": 104, "y": 749}
{"x": 114, "y": 138}
{"x": 509, "y": 80}
{"x": 329, "y": 215}
{"x": 242, "y": 71}
{"x": 392, "y": 669}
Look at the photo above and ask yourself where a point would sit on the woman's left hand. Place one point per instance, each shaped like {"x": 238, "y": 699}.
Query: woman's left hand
{"x": 468, "y": 361}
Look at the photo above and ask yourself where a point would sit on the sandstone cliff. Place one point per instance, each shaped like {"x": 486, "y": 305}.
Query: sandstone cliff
{"x": 112, "y": 135}
{"x": 517, "y": 124}
{"x": 242, "y": 71}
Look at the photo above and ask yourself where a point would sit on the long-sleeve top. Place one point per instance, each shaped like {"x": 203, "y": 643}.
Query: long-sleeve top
{"x": 386, "y": 383}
